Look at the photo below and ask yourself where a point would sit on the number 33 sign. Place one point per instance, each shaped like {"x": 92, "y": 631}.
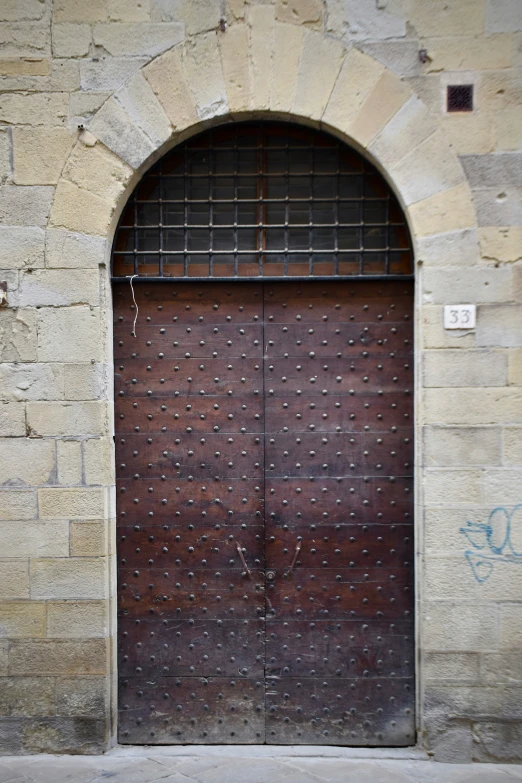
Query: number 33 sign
{"x": 459, "y": 316}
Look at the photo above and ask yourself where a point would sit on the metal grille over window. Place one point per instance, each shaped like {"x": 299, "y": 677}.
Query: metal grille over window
{"x": 262, "y": 200}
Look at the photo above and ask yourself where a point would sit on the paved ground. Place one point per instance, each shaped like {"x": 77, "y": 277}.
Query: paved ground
{"x": 248, "y": 765}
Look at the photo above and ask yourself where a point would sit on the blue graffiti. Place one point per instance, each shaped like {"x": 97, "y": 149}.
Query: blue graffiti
{"x": 499, "y": 540}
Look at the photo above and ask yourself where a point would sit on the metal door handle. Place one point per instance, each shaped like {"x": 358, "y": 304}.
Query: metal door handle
{"x": 294, "y": 559}
{"x": 240, "y": 553}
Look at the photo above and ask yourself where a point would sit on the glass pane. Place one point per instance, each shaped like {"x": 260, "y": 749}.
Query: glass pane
{"x": 349, "y": 238}
{"x": 223, "y": 214}
{"x": 299, "y": 212}
{"x": 173, "y": 214}
{"x": 324, "y": 212}
{"x": 222, "y": 188}
{"x": 275, "y": 187}
{"x": 351, "y": 186}
{"x": 274, "y": 213}
{"x": 198, "y": 239}
{"x": 147, "y": 239}
{"x": 247, "y": 238}
{"x": 350, "y": 212}
{"x": 275, "y": 238}
{"x": 224, "y": 162}
{"x": 374, "y": 237}
{"x": 173, "y": 239}
{"x": 173, "y": 188}
{"x": 223, "y": 239}
{"x": 323, "y": 238}
{"x": 198, "y": 214}
{"x": 298, "y": 238}
{"x": 375, "y": 211}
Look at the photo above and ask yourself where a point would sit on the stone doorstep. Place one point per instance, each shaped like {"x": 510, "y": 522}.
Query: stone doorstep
{"x": 413, "y": 753}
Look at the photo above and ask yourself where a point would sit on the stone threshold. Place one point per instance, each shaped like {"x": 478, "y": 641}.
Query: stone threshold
{"x": 413, "y": 753}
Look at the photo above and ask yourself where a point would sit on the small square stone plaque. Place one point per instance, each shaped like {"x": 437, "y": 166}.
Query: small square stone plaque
{"x": 461, "y": 316}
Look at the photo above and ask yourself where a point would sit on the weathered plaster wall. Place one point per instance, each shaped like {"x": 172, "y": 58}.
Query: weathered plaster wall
{"x": 140, "y": 75}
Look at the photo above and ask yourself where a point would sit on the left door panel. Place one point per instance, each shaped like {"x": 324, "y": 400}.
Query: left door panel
{"x": 190, "y": 502}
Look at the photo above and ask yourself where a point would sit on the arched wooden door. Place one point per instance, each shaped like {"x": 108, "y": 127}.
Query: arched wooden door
{"x": 264, "y": 441}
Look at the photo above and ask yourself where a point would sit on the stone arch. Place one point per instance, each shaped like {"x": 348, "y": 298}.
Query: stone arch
{"x": 277, "y": 70}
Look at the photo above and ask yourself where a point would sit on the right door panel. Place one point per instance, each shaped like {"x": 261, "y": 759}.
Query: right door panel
{"x": 338, "y": 376}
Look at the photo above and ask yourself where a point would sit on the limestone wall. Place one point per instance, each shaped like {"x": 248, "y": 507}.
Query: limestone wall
{"x": 140, "y": 75}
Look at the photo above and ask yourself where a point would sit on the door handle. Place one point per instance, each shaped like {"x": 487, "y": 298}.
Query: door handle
{"x": 294, "y": 559}
{"x": 240, "y": 553}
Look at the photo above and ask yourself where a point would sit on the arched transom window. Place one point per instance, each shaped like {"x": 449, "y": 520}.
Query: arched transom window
{"x": 262, "y": 200}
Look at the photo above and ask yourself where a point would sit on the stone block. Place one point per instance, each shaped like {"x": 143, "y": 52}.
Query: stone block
{"x": 435, "y": 336}
{"x": 27, "y": 696}
{"x": 108, "y": 73}
{"x": 17, "y": 335}
{"x": 455, "y": 626}
{"x": 401, "y": 57}
{"x": 63, "y": 77}
{"x": 26, "y": 461}
{"x": 24, "y": 66}
{"x": 469, "y": 54}
{"x": 6, "y": 167}
{"x": 447, "y": 487}
{"x": 235, "y": 62}
{"x": 84, "y": 104}
{"x": 261, "y": 20}
{"x": 69, "y": 250}
{"x": 504, "y": 16}
{"x": 321, "y": 61}
{"x": 70, "y": 503}
{"x": 358, "y": 76}
{"x": 82, "y": 696}
{"x": 53, "y": 288}
{"x": 71, "y": 40}
{"x": 204, "y": 75}
{"x": 10, "y": 736}
{"x": 79, "y": 210}
{"x": 446, "y": 211}
{"x": 512, "y": 446}
{"x": 21, "y": 247}
{"x": 501, "y": 244}
{"x": 128, "y": 10}
{"x": 441, "y": 528}
{"x": 77, "y": 11}
{"x": 68, "y": 334}
{"x": 14, "y": 583}
{"x": 25, "y": 206}
{"x": 499, "y": 325}
{"x": 17, "y": 504}
{"x": 69, "y": 456}
{"x": 288, "y": 46}
{"x": 49, "y": 109}
{"x": 501, "y": 668}
{"x": 98, "y": 455}
{"x": 100, "y": 171}
{"x": 35, "y": 539}
{"x": 498, "y": 206}
{"x": 510, "y": 627}
{"x": 61, "y": 735}
{"x": 88, "y": 539}
{"x": 472, "y": 405}
{"x": 449, "y": 577}
{"x": 508, "y": 128}
{"x": 12, "y": 419}
{"x": 25, "y": 39}
{"x": 134, "y": 40}
{"x": 22, "y": 10}
{"x": 46, "y": 657}
{"x": 197, "y": 16}
{"x": 22, "y": 619}
{"x": 408, "y": 128}
{"x": 466, "y": 700}
{"x": 71, "y": 577}
{"x": 166, "y": 77}
{"x": 362, "y": 21}
{"x": 77, "y": 619}
{"x": 142, "y": 106}
{"x": 113, "y": 126}
{"x": 87, "y": 381}
{"x": 431, "y": 18}
{"x": 462, "y": 446}
{"x": 469, "y": 133}
{"x": 448, "y": 666}
{"x": 451, "y": 249}
{"x": 67, "y": 418}
{"x": 497, "y": 741}
{"x": 4, "y": 648}
{"x": 300, "y": 12}
{"x": 498, "y": 170}
{"x": 384, "y": 100}
{"x": 439, "y": 165}
{"x": 503, "y": 486}
{"x": 464, "y": 368}
{"x": 515, "y": 366}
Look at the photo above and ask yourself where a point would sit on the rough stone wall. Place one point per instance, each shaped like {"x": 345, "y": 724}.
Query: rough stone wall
{"x": 138, "y": 74}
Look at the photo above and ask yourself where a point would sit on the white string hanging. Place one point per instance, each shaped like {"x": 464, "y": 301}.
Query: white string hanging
{"x": 135, "y": 305}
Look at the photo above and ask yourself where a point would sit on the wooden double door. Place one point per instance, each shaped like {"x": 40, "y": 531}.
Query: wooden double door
{"x": 264, "y": 454}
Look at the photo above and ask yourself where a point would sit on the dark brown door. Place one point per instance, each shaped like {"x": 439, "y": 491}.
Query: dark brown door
{"x": 264, "y": 439}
